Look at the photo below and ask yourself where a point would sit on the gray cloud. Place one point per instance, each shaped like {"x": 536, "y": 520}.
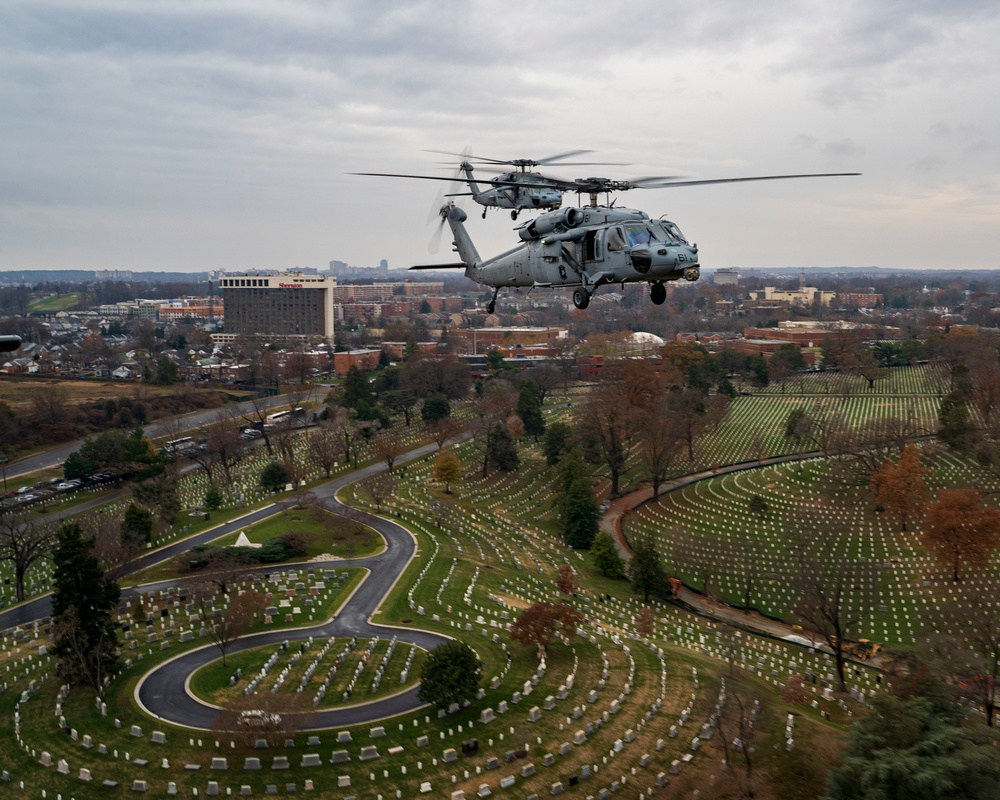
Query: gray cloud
{"x": 211, "y": 123}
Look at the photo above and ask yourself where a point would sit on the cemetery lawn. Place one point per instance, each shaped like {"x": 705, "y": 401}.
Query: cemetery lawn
{"x": 325, "y": 533}
{"x": 211, "y": 682}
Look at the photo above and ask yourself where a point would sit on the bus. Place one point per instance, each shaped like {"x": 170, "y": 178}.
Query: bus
{"x": 279, "y": 417}
{"x": 179, "y": 445}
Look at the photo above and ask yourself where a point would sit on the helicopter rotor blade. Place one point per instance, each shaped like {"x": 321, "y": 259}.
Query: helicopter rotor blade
{"x": 439, "y": 200}
{"x": 460, "y": 180}
{"x": 467, "y": 156}
{"x": 670, "y": 183}
{"x": 531, "y": 162}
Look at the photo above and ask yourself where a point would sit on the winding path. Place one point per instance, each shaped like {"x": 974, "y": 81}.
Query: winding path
{"x": 163, "y": 692}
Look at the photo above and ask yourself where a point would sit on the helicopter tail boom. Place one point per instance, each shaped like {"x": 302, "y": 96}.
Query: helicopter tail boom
{"x": 455, "y": 217}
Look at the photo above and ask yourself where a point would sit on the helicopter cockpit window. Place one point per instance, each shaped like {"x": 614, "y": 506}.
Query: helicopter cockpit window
{"x": 616, "y": 240}
{"x": 638, "y": 235}
{"x": 673, "y": 231}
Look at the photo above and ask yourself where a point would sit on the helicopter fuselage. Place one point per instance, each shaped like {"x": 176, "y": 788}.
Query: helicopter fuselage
{"x": 585, "y": 248}
{"x": 514, "y": 190}
{"x": 519, "y": 197}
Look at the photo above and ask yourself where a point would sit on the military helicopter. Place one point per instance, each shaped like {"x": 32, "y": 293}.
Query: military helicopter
{"x": 517, "y": 190}
{"x": 588, "y": 247}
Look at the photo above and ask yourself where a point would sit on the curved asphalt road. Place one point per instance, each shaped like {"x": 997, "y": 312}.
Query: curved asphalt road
{"x": 163, "y": 693}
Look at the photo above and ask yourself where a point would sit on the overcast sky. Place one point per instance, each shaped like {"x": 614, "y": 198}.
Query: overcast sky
{"x": 172, "y": 135}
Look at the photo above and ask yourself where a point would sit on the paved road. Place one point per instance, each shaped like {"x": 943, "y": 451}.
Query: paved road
{"x": 55, "y": 456}
{"x": 620, "y": 507}
{"x": 162, "y": 692}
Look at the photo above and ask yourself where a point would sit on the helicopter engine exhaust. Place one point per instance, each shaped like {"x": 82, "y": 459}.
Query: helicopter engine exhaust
{"x": 547, "y": 223}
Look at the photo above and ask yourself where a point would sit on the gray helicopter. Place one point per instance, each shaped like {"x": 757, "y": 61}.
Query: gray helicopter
{"x": 581, "y": 247}
{"x": 588, "y": 247}
{"x": 517, "y": 190}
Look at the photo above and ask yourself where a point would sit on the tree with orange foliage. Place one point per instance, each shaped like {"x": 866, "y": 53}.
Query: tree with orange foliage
{"x": 961, "y": 529}
{"x": 539, "y": 623}
{"x": 900, "y": 489}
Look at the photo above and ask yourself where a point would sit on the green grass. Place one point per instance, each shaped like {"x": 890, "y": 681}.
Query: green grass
{"x": 484, "y": 552}
{"x": 324, "y": 532}
{"x": 55, "y": 302}
{"x": 212, "y": 682}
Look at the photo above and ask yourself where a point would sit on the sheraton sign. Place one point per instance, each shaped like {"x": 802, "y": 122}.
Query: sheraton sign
{"x": 289, "y": 285}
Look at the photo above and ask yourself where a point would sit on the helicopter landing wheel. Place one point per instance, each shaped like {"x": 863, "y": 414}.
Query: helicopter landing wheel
{"x": 513, "y": 214}
{"x": 658, "y": 293}
{"x": 484, "y": 212}
{"x": 491, "y": 306}
{"x": 581, "y": 298}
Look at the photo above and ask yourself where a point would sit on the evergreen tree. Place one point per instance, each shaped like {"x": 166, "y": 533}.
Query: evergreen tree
{"x": 213, "y": 498}
{"x": 137, "y": 525}
{"x": 83, "y": 601}
{"x": 580, "y": 513}
{"x": 606, "y": 556}
{"x": 274, "y": 477}
{"x": 915, "y": 746}
{"x": 77, "y": 466}
{"x": 954, "y": 419}
{"x": 502, "y": 449}
{"x": 449, "y": 675}
{"x": 557, "y": 439}
{"x": 529, "y": 409}
{"x": 758, "y": 371}
{"x": 356, "y": 390}
{"x": 435, "y": 407}
{"x": 646, "y": 570}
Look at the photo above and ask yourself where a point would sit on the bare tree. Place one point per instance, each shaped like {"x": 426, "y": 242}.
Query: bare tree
{"x": 660, "y": 441}
{"x": 225, "y": 626}
{"x": 736, "y": 722}
{"x": 347, "y": 430}
{"x": 546, "y": 379}
{"x": 378, "y": 487}
{"x": 749, "y": 561}
{"x": 443, "y": 429}
{"x": 223, "y": 446}
{"x": 867, "y": 447}
{"x": 113, "y": 553}
{"x": 23, "y": 542}
{"x": 493, "y": 408}
{"x": 324, "y": 447}
{"x": 256, "y": 414}
{"x": 387, "y": 447}
{"x": 611, "y": 424}
{"x": 835, "y": 589}
{"x": 969, "y": 650}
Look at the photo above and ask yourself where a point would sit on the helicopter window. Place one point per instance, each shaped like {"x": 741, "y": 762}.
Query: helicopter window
{"x": 674, "y": 231}
{"x": 638, "y": 234}
{"x": 616, "y": 240}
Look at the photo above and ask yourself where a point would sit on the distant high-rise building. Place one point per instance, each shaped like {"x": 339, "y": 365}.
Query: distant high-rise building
{"x": 113, "y": 274}
{"x": 726, "y": 276}
{"x": 346, "y": 271}
{"x": 288, "y": 304}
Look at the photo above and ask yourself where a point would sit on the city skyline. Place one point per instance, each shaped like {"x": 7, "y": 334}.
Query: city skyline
{"x": 164, "y": 136}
